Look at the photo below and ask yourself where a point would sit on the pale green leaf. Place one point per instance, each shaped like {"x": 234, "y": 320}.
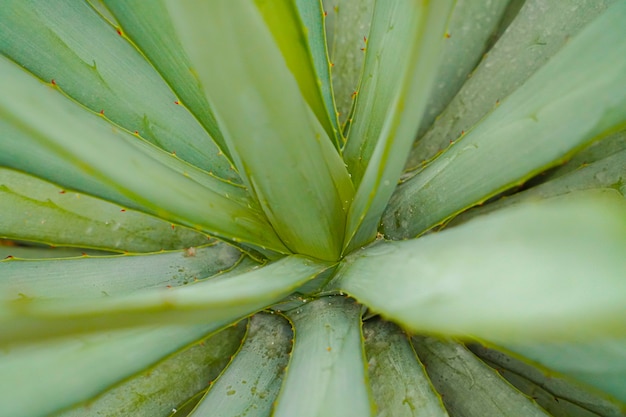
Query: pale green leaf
{"x": 597, "y": 151}
{"x": 156, "y": 391}
{"x": 597, "y": 362}
{"x": 297, "y": 28}
{"x": 103, "y": 10}
{"x": 227, "y": 298}
{"x": 392, "y": 97}
{"x": 88, "y": 277}
{"x": 400, "y": 386}
{"x": 538, "y": 32}
{"x": 39, "y": 379}
{"x": 148, "y": 25}
{"x": 48, "y": 135}
{"x": 37, "y": 211}
{"x": 13, "y": 250}
{"x": 561, "y": 396}
{"x": 551, "y": 269}
{"x": 561, "y": 108}
{"x": 347, "y": 26}
{"x": 604, "y": 176}
{"x": 471, "y": 26}
{"x": 470, "y": 388}
{"x": 281, "y": 150}
{"x": 68, "y": 42}
{"x": 248, "y": 387}
{"x": 326, "y": 376}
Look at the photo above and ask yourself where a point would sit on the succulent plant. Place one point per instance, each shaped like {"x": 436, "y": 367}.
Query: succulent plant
{"x": 302, "y": 208}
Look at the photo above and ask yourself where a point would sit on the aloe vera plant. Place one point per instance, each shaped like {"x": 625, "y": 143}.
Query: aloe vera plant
{"x": 303, "y": 208}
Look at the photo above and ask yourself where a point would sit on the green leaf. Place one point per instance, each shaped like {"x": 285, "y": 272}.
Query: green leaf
{"x": 597, "y": 362}
{"x": 392, "y": 97}
{"x": 298, "y": 30}
{"x": 37, "y": 211}
{"x": 400, "y": 386}
{"x": 604, "y": 176}
{"x": 49, "y": 136}
{"x": 245, "y": 388}
{"x": 347, "y": 24}
{"x": 282, "y": 152}
{"x": 560, "y": 109}
{"x": 560, "y": 396}
{"x": 216, "y": 300}
{"x": 69, "y": 43}
{"x": 538, "y": 31}
{"x": 471, "y": 26}
{"x": 148, "y": 26}
{"x": 42, "y": 252}
{"x": 551, "y": 269}
{"x": 468, "y": 387}
{"x": 67, "y": 371}
{"x": 88, "y": 277}
{"x": 157, "y": 390}
{"x": 327, "y": 362}
{"x": 602, "y": 149}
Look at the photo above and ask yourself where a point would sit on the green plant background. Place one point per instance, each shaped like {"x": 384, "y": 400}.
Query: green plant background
{"x": 313, "y": 208}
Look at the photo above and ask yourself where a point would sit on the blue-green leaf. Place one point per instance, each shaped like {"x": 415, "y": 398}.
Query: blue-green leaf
{"x": 468, "y": 387}
{"x": 551, "y": 269}
{"x": 561, "y": 108}
{"x": 597, "y": 362}
{"x": 282, "y": 152}
{"x": 68, "y": 44}
{"x": 400, "y": 386}
{"x": 561, "y": 396}
{"x": 327, "y": 364}
{"x": 248, "y": 387}
{"x": 392, "y": 97}
{"x": 537, "y": 32}
{"x": 64, "y": 372}
{"x": 37, "y": 211}
{"x": 225, "y": 299}
{"x": 160, "y": 388}
{"x": 50, "y": 136}
{"x": 88, "y": 277}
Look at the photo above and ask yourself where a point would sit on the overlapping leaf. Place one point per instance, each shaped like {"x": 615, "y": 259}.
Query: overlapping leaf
{"x": 211, "y": 301}
{"x": 533, "y": 271}
{"x": 283, "y": 153}
{"x": 560, "y": 109}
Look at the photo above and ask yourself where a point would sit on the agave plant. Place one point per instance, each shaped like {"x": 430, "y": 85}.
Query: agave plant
{"x": 302, "y": 208}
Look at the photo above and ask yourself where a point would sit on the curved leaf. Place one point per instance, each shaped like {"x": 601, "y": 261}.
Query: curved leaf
{"x": 246, "y": 389}
{"x": 552, "y": 269}
{"x": 400, "y": 386}
{"x": 393, "y": 95}
{"x": 604, "y": 176}
{"x": 598, "y": 362}
{"x": 347, "y": 24}
{"x": 468, "y": 387}
{"x": 215, "y": 300}
{"x": 49, "y": 136}
{"x": 70, "y": 370}
{"x": 148, "y": 26}
{"x": 559, "y": 395}
{"x": 88, "y": 277}
{"x": 538, "y": 31}
{"x": 471, "y": 26}
{"x": 37, "y": 211}
{"x": 327, "y": 363}
{"x": 157, "y": 390}
{"x": 560, "y": 109}
{"x": 68, "y": 44}
{"x": 281, "y": 150}
{"x": 297, "y": 27}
